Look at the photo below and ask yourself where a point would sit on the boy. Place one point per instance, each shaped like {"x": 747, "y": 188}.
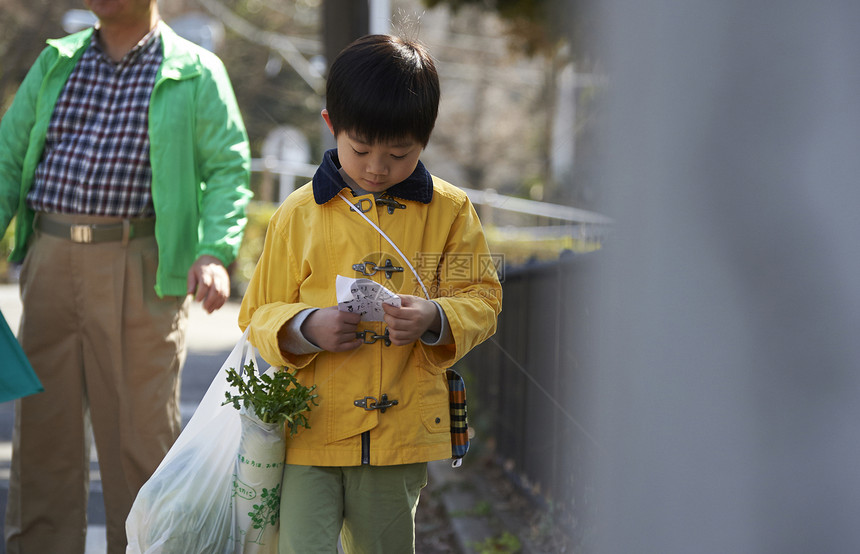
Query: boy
{"x": 383, "y": 399}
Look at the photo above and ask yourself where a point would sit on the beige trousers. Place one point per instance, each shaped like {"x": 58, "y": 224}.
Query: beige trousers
{"x": 108, "y": 352}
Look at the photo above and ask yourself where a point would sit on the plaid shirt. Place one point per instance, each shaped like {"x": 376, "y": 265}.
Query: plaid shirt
{"x": 96, "y": 156}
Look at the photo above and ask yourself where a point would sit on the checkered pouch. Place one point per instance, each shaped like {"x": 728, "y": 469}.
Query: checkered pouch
{"x": 459, "y": 426}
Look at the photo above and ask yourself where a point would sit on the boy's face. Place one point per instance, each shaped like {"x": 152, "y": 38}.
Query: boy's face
{"x": 379, "y": 166}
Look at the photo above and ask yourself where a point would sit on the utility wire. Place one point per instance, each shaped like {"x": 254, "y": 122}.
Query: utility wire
{"x": 547, "y": 394}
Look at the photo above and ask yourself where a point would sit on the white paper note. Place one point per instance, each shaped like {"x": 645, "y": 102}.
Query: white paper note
{"x": 363, "y": 296}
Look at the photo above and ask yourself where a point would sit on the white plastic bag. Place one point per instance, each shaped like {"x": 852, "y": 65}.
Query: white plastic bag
{"x": 207, "y": 495}
{"x": 257, "y": 484}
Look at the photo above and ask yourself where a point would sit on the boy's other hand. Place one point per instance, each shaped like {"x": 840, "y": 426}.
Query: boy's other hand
{"x": 412, "y": 319}
{"x": 332, "y": 330}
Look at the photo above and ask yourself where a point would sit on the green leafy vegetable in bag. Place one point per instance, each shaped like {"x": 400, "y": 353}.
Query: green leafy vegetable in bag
{"x": 274, "y": 397}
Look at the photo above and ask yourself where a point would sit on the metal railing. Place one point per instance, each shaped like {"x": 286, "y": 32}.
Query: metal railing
{"x": 564, "y": 219}
{"x": 523, "y": 385}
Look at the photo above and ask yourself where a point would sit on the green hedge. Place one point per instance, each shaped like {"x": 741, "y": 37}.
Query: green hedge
{"x": 516, "y": 248}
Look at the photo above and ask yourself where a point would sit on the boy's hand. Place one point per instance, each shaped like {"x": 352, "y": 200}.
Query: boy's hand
{"x": 412, "y": 319}
{"x": 332, "y": 330}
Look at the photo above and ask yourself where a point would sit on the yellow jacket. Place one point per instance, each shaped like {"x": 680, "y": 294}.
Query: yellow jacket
{"x": 312, "y": 238}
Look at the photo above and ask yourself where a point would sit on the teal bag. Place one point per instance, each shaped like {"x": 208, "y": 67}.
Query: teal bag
{"x": 17, "y": 377}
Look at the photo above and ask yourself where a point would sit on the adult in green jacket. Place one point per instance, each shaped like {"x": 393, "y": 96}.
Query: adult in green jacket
{"x": 192, "y": 116}
{"x": 106, "y": 289}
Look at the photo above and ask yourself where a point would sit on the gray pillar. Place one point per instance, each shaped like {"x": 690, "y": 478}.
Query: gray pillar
{"x": 726, "y": 344}
{"x": 343, "y": 22}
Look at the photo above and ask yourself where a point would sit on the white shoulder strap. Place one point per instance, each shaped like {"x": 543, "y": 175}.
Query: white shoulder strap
{"x": 380, "y": 231}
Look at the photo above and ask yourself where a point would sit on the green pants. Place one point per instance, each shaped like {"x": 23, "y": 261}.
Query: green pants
{"x": 371, "y": 507}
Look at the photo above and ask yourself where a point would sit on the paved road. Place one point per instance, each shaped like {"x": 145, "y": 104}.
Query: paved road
{"x": 211, "y": 337}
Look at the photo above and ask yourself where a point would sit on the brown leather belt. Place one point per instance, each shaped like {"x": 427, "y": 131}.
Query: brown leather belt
{"x": 86, "y": 233}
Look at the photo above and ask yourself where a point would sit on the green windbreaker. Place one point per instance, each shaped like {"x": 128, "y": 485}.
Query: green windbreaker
{"x": 199, "y": 153}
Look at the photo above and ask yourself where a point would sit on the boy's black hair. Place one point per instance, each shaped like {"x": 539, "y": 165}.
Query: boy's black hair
{"x": 383, "y": 88}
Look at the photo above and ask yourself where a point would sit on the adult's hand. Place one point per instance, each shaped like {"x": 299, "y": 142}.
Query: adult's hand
{"x": 209, "y": 282}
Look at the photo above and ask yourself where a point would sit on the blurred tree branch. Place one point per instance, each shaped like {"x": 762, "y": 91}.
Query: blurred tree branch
{"x": 24, "y": 27}
{"x": 538, "y": 26}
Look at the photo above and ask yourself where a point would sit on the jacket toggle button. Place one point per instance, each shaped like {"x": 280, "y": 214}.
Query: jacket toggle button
{"x": 391, "y": 203}
{"x": 360, "y": 205}
{"x": 369, "y": 337}
{"x": 369, "y": 268}
{"x": 371, "y": 403}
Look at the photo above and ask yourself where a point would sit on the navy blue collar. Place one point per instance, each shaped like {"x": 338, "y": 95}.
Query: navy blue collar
{"x": 328, "y": 182}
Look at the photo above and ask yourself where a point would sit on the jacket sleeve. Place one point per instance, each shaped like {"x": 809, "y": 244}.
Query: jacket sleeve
{"x": 272, "y": 296}
{"x": 224, "y": 154}
{"x": 469, "y": 290}
{"x": 15, "y": 130}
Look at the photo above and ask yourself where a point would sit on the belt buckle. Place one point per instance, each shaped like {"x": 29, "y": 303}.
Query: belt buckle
{"x": 81, "y": 233}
